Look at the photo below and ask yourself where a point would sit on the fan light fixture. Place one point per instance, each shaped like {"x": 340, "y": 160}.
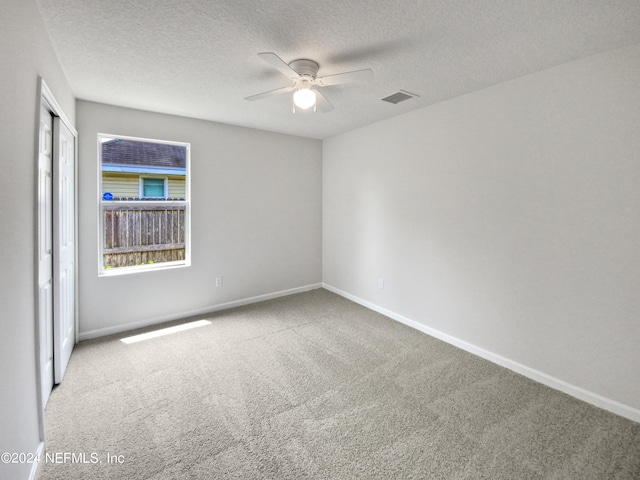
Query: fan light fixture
{"x": 304, "y": 98}
{"x": 304, "y": 75}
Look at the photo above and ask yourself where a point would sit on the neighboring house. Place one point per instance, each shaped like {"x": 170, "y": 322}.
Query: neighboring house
{"x": 143, "y": 170}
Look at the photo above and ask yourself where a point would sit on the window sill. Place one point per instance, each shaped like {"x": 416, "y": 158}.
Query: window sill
{"x": 112, "y": 272}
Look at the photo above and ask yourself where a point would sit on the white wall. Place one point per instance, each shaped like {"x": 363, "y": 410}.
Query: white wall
{"x": 25, "y": 54}
{"x": 508, "y": 218}
{"x": 255, "y": 220}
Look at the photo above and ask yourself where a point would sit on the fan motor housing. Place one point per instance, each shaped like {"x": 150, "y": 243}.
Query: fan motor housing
{"x": 305, "y": 67}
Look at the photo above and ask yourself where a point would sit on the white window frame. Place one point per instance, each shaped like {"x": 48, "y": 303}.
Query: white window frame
{"x": 186, "y": 203}
{"x": 141, "y": 187}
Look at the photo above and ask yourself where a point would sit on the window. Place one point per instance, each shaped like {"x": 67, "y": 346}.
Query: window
{"x": 144, "y": 204}
{"x": 153, "y": 187}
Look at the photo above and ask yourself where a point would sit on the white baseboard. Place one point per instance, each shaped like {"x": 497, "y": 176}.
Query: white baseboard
{"x": 101, "y": 332}
{"x": 35, "y": 465}
{"x": 536, "y": 375}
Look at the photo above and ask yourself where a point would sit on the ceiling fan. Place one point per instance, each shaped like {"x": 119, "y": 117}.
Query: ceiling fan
{"x": 304, "y": 75}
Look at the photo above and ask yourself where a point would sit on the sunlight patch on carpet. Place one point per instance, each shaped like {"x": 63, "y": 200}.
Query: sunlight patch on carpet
{"x": 165, "y": 331}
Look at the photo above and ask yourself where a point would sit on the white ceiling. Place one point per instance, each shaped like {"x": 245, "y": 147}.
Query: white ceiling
{"x": 198, "y": 58}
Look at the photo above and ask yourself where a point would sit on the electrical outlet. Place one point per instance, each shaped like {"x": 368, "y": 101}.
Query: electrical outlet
{"x": 381, "y": 283}
{"x": 218, "y": 281}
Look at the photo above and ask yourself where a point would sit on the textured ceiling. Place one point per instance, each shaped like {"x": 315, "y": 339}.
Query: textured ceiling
{"x": 198, "y": 58}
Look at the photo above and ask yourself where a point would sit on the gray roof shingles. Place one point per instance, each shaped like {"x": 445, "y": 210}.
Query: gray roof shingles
{"x": 131, "y": 152}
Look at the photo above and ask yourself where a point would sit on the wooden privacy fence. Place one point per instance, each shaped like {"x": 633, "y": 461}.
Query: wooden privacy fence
{"x": 135, "y": 234}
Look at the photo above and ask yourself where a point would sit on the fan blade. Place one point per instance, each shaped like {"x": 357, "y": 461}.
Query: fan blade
{"x": 347, "y": 77}
{"x": 262, "y": 95}
{"x": 276, "y": 62}
{"x": 322, "y": 103}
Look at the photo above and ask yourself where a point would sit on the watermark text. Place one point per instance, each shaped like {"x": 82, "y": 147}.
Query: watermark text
{"x": 85, "y": 458}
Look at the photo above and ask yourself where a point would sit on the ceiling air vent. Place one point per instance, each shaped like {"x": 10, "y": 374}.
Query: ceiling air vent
{"x": 401, "y": 96}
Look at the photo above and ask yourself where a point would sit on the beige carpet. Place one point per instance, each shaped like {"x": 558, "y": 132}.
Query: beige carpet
{"x": 315, "y": 386}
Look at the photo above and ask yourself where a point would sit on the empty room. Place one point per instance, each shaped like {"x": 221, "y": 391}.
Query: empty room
{"x": 323, "y": 240}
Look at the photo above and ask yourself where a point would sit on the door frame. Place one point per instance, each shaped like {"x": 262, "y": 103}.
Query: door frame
{"x": 48, "y": 101}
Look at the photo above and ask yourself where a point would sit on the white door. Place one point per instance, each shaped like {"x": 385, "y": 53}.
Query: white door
{"x": 63, "y": 246}
{"x": 45, "y": 252}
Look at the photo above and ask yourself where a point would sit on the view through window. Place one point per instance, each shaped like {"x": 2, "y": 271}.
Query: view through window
{"x": 144, "y": 204}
